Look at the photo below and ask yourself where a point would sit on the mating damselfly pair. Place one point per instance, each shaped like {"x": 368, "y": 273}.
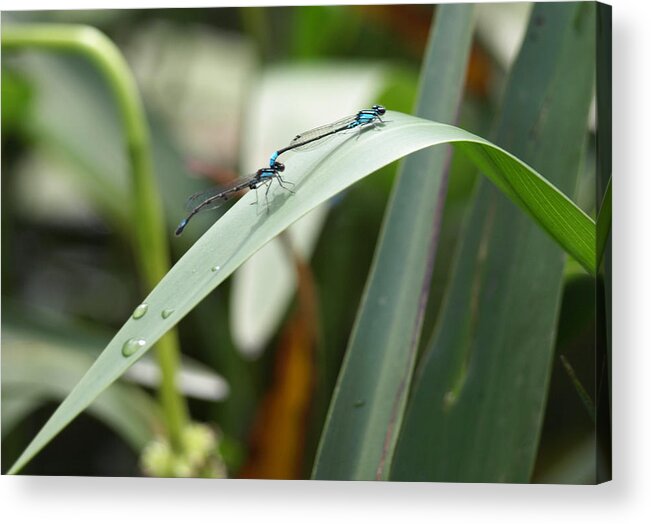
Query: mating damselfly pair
{"x": 214, "y": 197}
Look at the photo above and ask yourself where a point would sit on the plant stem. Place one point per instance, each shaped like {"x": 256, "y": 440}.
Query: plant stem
{"x": 152, "y": 251}
{"x": 581, "y": 391}
{"x": 604, "y": 219}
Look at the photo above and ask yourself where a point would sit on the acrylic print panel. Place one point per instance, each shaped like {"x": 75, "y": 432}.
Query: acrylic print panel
{"x": 446, "y": 319}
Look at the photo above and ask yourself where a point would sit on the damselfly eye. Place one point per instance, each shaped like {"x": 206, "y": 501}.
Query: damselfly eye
{"x": 278, "y": 166}
{"x": 380, "y": 110}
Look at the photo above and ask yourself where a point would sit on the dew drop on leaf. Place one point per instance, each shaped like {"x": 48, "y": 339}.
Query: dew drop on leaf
{"x": 132, "y": 345}
{"x": 140, "y": 311}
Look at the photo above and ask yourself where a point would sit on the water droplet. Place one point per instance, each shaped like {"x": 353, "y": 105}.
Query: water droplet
{"x": 359, "y": 403}
{"x": 132, "y": 345}
{"x": 140, "y": 311}
{"x": 214, "y": 269}
{"x": 166, "y": 313}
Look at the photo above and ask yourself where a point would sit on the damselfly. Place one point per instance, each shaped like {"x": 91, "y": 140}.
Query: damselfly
{"x": 303, "y": 140}
{"x": 215, "y": 197}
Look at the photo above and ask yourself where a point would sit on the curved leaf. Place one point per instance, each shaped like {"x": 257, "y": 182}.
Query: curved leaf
{"x": 318, "y": 175}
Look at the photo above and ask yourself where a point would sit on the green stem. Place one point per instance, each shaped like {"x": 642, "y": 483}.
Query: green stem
{"x": 604, "y": 219}
{"x": 583, "y": 394}
{"x": 151, "y": 246}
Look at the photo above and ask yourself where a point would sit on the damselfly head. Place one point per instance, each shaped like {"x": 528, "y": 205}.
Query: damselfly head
{"x": 278, "y": 166}
{"x": 380, "y": 110}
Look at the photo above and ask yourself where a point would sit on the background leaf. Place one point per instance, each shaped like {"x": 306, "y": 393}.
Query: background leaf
{"x": 369, "y": 399}
{"x": 42, "y": 370}
{"x": 478, "y": 403}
